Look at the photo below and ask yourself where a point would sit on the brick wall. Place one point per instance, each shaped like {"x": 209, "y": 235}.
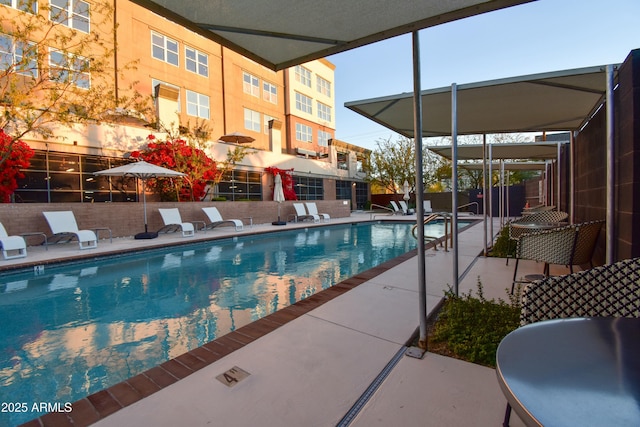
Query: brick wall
{"x": 590, "y": 168}
{"x": 127, "y": 219}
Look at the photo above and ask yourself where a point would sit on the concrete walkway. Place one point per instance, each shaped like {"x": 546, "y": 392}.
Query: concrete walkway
{"x": 312, "y": 370}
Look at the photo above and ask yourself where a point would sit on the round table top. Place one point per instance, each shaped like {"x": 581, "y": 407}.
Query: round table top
{"x": 573, "y": 372}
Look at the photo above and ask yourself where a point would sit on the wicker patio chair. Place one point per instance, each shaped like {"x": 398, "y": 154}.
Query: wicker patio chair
{"x": 588, "y": 233}
{"x": 550, "y": 246}
{"x": 543, "y": 218}
{"x": 608, "y": 291}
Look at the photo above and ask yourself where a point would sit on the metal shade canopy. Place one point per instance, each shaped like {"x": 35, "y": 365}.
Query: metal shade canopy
{"x": 556, "y": 101}
{"x": 143, "y": 171}
{"x": 512, "y": 166}
{"x": 511, "y": 151}
{"x": 281, "y": 33}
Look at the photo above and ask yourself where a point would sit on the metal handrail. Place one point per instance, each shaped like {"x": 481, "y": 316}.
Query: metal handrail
{"x": 373, "y": 215}
{"x": 469, "y": 204}
{"x": 440, "y": 215}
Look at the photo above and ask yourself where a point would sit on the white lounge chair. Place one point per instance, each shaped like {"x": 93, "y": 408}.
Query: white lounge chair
{"x": 171, "y": 216}
{"x": 301, "y": 214}
{"x": 12, "y": 246}
{"x": 426, "y": 205}
{"x": 312, "y": 208}
{"x": 64, "y": 226}
{"x": 405, "y": 208}
{"x": 396, "y": 208}
{"x": 215, "y": 219}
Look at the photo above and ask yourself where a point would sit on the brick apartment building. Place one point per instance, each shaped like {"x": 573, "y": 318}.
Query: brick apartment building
{"x": 194, "y": 83}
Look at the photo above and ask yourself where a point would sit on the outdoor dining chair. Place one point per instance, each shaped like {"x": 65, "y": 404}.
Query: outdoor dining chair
{"x": 550, "y": 247}
{"x": 546, "y": 219}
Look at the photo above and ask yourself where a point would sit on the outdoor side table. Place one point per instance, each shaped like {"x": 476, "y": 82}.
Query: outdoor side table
{"x": 573, "y": 372}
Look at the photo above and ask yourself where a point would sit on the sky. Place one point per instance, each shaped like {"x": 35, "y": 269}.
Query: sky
{"x": 537, "y": 37}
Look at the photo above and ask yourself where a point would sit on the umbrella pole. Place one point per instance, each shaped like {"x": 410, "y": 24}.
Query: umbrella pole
{"x": 146, "y": 234}
{"x": 144, "y": 203}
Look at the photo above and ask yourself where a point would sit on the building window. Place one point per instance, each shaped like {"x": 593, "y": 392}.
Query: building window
{"x": 360, "y": 163}
{"x": 270, "y": 92}
{"x": 196, "y": 61}
{"x": 304, "y": 133}
{"x": 72, "y": 13}
{"x": 16, "y": 54}
{"x": 240, "y": 185}
{"x": 303, "y": 103}
{"x": 343, "y": 161}
{"x": 250, "y": 84}
{"x": 23, "y": 5}
{"x": 323, "y": 86}
{"x": 252, "y": 120}
{"x": 156, "y": 82}
{"x": 343, "y": 190}
{"x": 323, "y": 138}
{"x": 307, "y": 188}
{"x": 324, "y": 112}
{"x": 69, "y": 178}
{"x": 197, "y": 105}
{"x": 67, "y": 68}
{"x": 303, "y": 75}
{"x": 164, "y": 49}
{"x": 362, "y": 194}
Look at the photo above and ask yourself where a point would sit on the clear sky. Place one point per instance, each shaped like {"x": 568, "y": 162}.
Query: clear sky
{"x": 542, "y": 36}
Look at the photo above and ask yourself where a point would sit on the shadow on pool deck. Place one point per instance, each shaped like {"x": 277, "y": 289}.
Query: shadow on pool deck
{"x": 310, "y": 363}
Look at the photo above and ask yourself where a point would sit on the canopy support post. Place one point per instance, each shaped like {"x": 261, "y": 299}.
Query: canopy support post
{"x": 610, "y": 167}
{"x": 417, "y": 138}
{"x": 454, "y": 183}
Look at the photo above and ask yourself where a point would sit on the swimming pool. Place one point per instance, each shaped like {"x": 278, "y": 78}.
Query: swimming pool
{"x": 77, "y": 329}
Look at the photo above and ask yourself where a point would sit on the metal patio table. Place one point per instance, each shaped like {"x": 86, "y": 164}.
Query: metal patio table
{"x": 573, "y": 372}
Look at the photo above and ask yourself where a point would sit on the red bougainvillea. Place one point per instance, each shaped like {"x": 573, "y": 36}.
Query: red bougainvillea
{"x": 287, "y": 181}
{"x": 183, "y": 157}
{"x": 14, "y": 155}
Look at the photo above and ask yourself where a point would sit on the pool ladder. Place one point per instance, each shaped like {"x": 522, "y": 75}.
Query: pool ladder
{"x": 447, "y": 224}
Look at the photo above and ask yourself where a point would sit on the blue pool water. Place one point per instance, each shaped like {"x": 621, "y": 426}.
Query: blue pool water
{"x": 76, "y": 329}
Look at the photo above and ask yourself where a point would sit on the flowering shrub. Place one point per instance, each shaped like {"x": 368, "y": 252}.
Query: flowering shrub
{"x": 287, "y": 181}
{"x": 14, "y": 155}
{"x": 183, "y": 157}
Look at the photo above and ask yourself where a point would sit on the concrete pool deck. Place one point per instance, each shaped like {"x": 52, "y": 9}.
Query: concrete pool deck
{"x": 313, "y": 368}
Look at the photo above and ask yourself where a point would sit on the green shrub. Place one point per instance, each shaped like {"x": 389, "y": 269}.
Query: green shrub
{"x": 504, "y": 246}
{"x": 472, "y": 327}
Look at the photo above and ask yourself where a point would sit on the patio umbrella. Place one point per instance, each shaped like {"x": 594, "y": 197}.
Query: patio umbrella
{"x": 278, "y": 196}
{"x": 237, "y": 138}
{"x": 144, "y": 171}
{"x": 405, "y": 188}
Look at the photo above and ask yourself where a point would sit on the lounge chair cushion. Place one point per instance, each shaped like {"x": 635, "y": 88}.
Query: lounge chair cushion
{"x": 171, "y": 216}
{"x": 216, "y": 219}
{"x": 301, "y": 213}
{"x": 312, "y": 208}
{"x": 64, "y": 223}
